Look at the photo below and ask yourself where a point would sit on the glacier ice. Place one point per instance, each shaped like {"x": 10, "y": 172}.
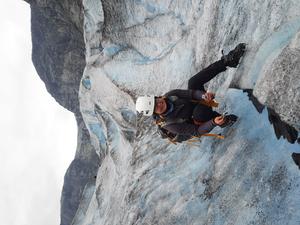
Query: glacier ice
{"x": 149, "y": 47}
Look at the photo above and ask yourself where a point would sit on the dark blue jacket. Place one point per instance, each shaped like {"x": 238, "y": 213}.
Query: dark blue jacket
{"x": 179, "y": 116}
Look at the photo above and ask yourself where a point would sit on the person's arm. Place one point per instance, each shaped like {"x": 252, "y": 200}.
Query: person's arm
{"x": 191, "y": 129}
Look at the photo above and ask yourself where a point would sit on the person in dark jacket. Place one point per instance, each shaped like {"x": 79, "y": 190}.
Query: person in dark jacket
{"x": 189, "y": 112}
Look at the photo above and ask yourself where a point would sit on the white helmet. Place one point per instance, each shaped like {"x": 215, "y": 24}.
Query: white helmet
{"x": 145, "y": 105}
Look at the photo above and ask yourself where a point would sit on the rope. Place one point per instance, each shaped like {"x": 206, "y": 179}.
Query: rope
{"x": 211, "y": 103}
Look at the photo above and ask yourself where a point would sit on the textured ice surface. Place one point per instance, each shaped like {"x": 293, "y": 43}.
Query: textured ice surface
{"x": 141, "y": 47}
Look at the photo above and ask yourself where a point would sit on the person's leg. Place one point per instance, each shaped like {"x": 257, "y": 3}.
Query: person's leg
{"x": 231, "y": 59}
{"x": 204, "y": 113}
{"x": 197, "y": 81}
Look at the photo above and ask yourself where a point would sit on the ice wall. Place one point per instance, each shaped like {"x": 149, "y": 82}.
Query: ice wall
{"x": 138, "y": 47}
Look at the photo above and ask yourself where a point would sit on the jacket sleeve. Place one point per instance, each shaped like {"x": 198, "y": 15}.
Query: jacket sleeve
{"x": 187, "y": 94}
{"x": 190, "y": 129}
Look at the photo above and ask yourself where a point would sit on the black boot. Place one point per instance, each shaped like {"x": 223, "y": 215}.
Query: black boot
{"x": 296, "y": 158}
{"x": 229, "y": 120}
{"x": 233, "y": 57}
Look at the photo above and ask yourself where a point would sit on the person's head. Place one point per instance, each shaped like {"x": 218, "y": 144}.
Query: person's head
{"x": 147, "y": 105}
{"x": 160, "y": 105}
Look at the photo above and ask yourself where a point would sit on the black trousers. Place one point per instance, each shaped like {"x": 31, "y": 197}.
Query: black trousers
{"x": 201, "y": 112}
